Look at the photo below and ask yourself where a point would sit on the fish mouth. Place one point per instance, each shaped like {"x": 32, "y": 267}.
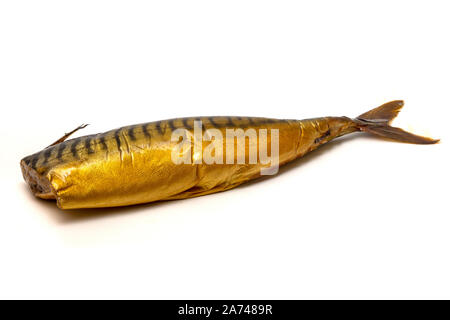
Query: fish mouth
{"x": 39, "y": 184}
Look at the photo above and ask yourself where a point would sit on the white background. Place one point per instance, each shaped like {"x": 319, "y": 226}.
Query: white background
{"x": 359, "y": 218}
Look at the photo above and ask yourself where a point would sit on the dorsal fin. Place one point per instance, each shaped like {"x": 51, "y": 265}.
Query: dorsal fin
{"x": 65, "y": 136}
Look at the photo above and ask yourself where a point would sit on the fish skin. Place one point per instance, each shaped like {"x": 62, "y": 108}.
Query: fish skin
{"x": 133, "y": 164}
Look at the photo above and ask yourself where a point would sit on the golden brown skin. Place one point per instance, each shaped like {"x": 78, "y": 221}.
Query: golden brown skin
{"x": 133, "y": 164}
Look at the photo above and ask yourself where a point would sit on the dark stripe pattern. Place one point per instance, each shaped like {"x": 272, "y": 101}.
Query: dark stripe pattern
{"x": 171, "y": 123}
{"x": 186, "y": 124}
{"x": 47, "y": 154}
{"x": 145, "y": 130}
{"x": 103, "y": 142}
{"x": 117, "y": 138}
{"x": 159, "y": 127}
{"x": 73, "y": 147}
{"x": 80, "y": 147}
{"x": 60, "y": 151}
{"x": 34, "y": 162}
{"x": 131, "y": 133}
{"x": 87, "y": 145}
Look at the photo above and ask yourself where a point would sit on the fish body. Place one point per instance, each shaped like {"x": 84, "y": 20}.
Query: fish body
{"x": 135, "y": 164}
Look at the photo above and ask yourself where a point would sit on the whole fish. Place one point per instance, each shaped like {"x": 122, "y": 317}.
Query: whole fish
{"x": 136, "y": 164}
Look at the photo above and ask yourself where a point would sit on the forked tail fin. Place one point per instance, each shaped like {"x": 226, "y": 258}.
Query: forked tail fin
{"x": 377, "y": 121}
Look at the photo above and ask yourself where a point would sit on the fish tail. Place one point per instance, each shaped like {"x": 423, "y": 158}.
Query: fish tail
{"x": 377, "y": 121}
